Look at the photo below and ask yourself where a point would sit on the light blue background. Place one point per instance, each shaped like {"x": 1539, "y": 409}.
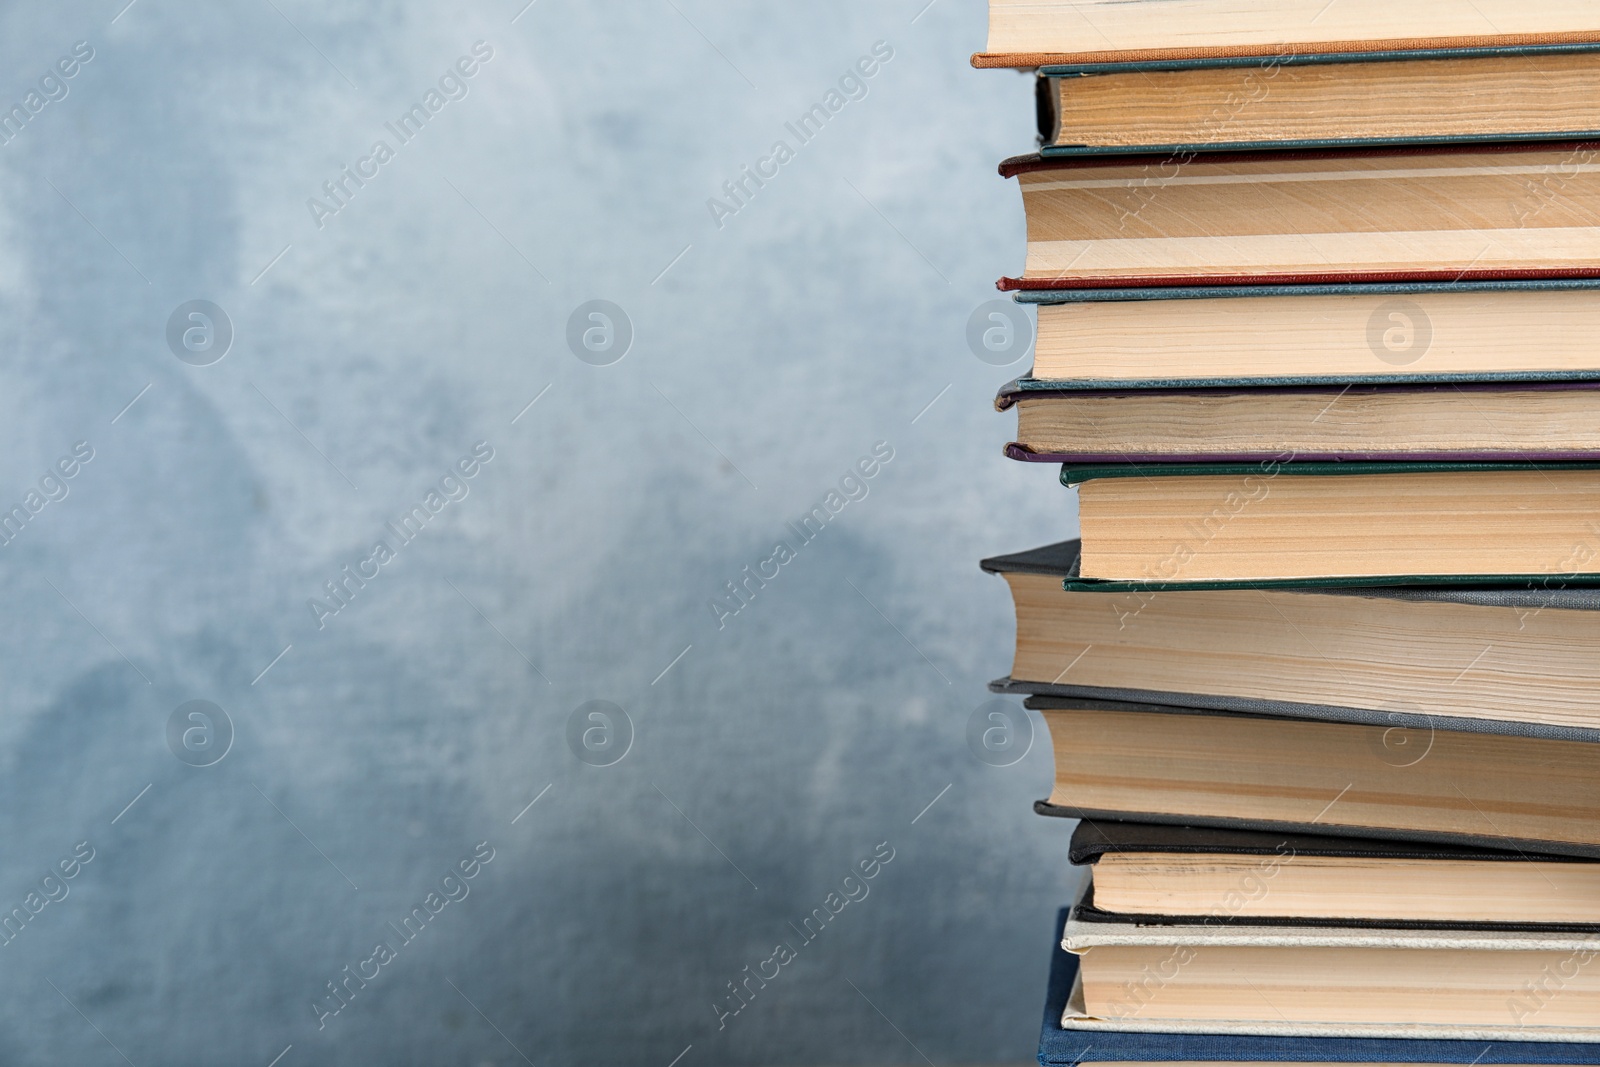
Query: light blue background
{"x": 774, "y": 351}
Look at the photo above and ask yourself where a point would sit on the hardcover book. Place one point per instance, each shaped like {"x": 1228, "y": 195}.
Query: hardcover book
{"x": 1063, "y": 1043}
{"x": 1283, "y": 521}
{"x": 1344, "y": 334}
{"x": 1431, "y": 423}
{"x": 1185, "y": 766}
{"x": 1480, "y": 985}
{"x": 1156, "y": 874}
{"x": 1326, "y": 100}
{"x": 1420, "y": 213}
{"x": 1498, "y": 659}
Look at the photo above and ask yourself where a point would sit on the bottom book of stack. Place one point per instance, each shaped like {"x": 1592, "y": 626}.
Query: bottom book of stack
{"x": 1220, "y": 945}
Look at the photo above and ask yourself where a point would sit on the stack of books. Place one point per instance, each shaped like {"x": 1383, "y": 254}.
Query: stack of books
{"x": 1318, "y": 292}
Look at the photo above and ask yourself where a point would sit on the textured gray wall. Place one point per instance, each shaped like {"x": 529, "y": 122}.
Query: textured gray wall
{"x": 769, "y": 354}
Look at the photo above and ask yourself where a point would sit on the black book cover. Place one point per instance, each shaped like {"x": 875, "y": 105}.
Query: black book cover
{"x": 1091, "y": 840}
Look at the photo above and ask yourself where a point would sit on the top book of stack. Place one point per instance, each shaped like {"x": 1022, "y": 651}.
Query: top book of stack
{"x": 1176, "y": 75}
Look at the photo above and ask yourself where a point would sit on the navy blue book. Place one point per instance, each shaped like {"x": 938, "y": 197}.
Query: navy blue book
{"x": 1059, "y": 1047}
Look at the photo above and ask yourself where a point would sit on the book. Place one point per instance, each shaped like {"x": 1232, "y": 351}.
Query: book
{"x": 1253, "y": 771}
{"x": 1284, "y": 520}
{"x": 1065, "y": 1043}
{"x": 1032, "y": 33}
{"x": 1159, "y": 874}
{"x": 1350, "y": 333}
{"x": 1319, "y": 100}
{"x": 1473, "y": 421}
{"x": 1485, "y": 985}
{"x": 1419, "y": 213}
{"x": 1507, "y": 660}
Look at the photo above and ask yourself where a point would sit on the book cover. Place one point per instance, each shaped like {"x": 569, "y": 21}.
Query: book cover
{"x": 1092, "y": 840}
{"x": 1220, "y": 292}
{"x": 1078, "y": 935}
{"x": 1076, "y": 474}
{"x": 1029, "y": 388}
